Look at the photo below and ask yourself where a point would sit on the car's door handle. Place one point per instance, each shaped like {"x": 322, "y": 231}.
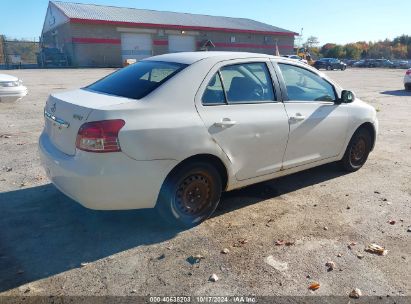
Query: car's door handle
{"x": 225, "y": 122}
{"x": 297, "y": 117}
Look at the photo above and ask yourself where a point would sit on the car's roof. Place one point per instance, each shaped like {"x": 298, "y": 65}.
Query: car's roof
{"x": 191, "y": 57}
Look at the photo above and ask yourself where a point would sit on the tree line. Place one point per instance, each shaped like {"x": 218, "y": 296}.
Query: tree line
{"x": 397, "y": 48}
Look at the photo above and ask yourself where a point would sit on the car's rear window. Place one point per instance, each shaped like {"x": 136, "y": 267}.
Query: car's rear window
{"x": 137, "y": 80}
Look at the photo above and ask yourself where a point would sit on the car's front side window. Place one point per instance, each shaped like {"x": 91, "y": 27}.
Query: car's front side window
{"x": 304, "y": 85}
{"x": 247, "y": 83}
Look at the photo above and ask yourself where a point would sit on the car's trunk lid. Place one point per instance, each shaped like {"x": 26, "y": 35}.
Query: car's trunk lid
{"x": 66, "y": 112}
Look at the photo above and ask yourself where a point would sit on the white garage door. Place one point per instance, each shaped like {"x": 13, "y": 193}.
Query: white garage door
{"x": 136, "y": 46}
{"x": 181, "y": 43}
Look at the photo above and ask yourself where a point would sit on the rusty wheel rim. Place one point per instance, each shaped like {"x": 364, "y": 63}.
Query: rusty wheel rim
{"x": 358, "y": 151}
{"x": 193, "y": 194}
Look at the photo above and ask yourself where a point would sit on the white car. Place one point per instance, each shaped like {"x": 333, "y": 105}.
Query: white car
{"x": 175, "y": 130}
{"x": 407, "y": 80}
{"x": 11, "y": 88}
{"x": 296, "y": 57}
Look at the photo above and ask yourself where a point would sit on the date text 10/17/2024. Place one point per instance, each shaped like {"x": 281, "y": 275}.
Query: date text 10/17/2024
{"x": 202, "y": 299}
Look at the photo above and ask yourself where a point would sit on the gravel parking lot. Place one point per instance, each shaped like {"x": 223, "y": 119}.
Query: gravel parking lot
{"x": 50, "y": 245}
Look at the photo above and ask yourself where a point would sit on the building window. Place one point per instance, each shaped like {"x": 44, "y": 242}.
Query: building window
{"x": 232, "y": 39}
{"x": 266, "y": 39}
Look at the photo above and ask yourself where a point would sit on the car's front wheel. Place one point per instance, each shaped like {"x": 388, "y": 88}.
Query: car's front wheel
{"x": 190, "y": 194}
{"x": 357, "y": 151}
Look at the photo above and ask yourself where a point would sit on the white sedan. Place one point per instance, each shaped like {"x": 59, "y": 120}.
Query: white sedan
{"x": 407, "y": 80}
{"x": 296, "y": 57}
{"x": 11, "y": 88}
{"x": 174, "y": 131}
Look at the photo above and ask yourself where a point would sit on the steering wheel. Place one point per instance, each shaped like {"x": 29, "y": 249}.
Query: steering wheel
{"x": 324, "y": 98}
{"x": 302, "y": 82}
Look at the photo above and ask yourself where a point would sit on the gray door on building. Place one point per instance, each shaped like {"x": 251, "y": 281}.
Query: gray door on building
{"x": 136, "y": 46}
{"x": 181, "y": 43}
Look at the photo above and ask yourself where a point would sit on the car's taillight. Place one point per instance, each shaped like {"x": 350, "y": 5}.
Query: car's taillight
{"x": 408, "y": 72}
{"x": 100, "y": 136}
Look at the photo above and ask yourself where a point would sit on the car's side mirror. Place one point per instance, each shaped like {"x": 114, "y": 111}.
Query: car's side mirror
{"x": 347, "y": 96}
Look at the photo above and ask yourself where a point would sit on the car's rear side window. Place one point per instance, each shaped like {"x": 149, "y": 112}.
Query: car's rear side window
{"x": 137, "y": 80}
{"x": 214, "y": 93}
{"x": 240, "y": 83}
{"x": 247, "y": 83}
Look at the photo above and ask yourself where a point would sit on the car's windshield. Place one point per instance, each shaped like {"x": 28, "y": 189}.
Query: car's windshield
{"x": 138, "y": 80}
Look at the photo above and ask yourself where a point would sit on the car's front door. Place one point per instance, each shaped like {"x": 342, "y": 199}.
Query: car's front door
{"x": 238, "y": 104}
{"x": 318, "y": 125}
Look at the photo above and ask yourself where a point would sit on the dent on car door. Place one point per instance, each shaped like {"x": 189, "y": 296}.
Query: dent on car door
{"x": 238, "y": 105}
{"x": 318, "y": 125}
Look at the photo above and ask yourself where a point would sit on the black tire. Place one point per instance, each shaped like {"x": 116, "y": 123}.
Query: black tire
{"x": 193, "y": 185}
{"x": 343, "y": 68}
{"x": 357, "y": 151}
{"x": 407, "y": 87}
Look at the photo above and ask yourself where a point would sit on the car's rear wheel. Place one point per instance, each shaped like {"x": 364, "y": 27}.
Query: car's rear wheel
{"x": 407, "y": 87}
{"x": 190, "y": 194}
{"x": 357, "y": 151}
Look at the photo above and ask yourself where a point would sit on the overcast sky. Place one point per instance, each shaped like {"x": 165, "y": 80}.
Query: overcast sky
{"x": 331, "y": 21}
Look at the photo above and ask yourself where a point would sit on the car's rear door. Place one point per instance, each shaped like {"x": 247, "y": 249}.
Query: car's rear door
{"x": 238, "y": 102}
{"x": 318, "y": 125}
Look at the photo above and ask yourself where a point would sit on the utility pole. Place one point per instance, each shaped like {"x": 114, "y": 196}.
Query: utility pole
{"x": 299, "y": 42}
{"x": 2, "y": 57}
{"x": 4, "y": 50}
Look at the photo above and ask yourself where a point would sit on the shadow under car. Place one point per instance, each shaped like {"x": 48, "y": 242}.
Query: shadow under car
{"x": 43, "y": 232}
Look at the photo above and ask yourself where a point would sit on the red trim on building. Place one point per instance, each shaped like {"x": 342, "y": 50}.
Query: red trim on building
{"x": 165, "y": 42}
{"x": 179, "y": 27}
{"x": 250, "y": 45}
{"x": 110, "y": 41}
{"x": 160, "y": 42}
{"x": 96, "y": 40}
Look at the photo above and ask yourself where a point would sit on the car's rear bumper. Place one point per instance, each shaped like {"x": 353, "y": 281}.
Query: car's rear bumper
{"x": 12, "y": 94}
{"x": 104, "y": 181}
